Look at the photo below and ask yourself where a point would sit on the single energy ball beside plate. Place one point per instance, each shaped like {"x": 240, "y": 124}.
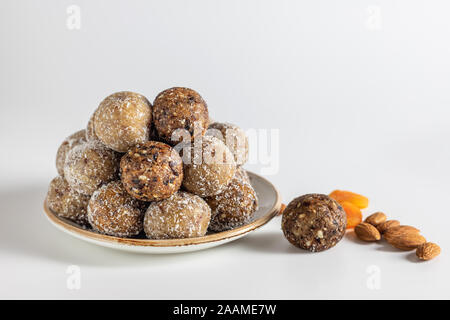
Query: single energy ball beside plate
{"x": 235, "y": 205}
{"x": 179, "y": 108}
{"x": 70, "y": 142}
{"x": 208, "y": 166}
{"x": 90, "y": 165}
{"x": 151, "y": 171}
{"x": 234, "y": 138}
{"x": 67, "y": 203}
{"x": 183, "y": 215}
{"x": 314, "y": 222}
{"x": 123, "y": 120}
{"x": 114, "y": 212}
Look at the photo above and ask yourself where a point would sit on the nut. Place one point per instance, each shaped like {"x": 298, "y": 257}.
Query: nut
{"x": 393, "y": 231}
{"x": 367, "y": 232}
{"x": 404, "y": 237}
{"x": 428, "y": 251}
{"x": 382, "y": 227}
{"x": 376, "y": 218}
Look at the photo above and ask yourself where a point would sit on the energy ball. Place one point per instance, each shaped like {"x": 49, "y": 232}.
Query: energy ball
{"x": 90, "y": 132}
{"x": 67, "y": 203}
{"x": 151, "y": 171}
{"x": 183, "y": 215}
{"x": 179, "y": 108}
{"x": 90, "y": 165}
{"x": 114, "y": 212}
{"x": 234, "y": 138}
{"x": 314, "y": 222}
{"x": 70, "y": 142}
{"x": 123, "y": 120}
{"x": 208, "y": 166}
{"x": 235, "y": 205}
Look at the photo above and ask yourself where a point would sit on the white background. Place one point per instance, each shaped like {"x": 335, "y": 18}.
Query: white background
{"x": 358, "y": 89}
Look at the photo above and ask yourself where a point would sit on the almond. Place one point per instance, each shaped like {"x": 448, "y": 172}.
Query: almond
{"x": 398, "y": 230}
{"x": 428, "y": 251}
{"x": 376, "y": 218}
{"x": 382, "y": 227}
{"x": 367, "y": 232}
{"x": 404, "y": 237}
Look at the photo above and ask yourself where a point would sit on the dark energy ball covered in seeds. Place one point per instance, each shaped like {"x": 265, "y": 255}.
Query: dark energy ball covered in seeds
{"x": 67, "y": 203}
{"x": 208, "y": 166}
{"x": 89, "y": 165}
{"x": 151, "y": 171}
{"x": 179, "y": 108}
{"x": 114, "y": 212}
{"x": 314, "y": 222}
{"x": 234, "y": 138}
{"x": 183, "y": 215}
{"x": 70, "y": 142}
{"x": 235, "y": 205}
{"x": 122, "y": 120}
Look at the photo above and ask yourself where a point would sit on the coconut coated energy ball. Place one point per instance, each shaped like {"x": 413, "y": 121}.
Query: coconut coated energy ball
{"x": 67, "y": 203}
{"x": 179, "y": 108}
{"x": 90, "y": 165}
{"x": 70, "y": 142}
{"x": 234, "y": 138}
{"x": 151, "y": 171}
{"x": 183, "y": 215}
{"x": 208, "y": 166}
{"x": 314, "y": 222}
{"x": 123, "y": 120}
{"x": 114, "y": 212}
{"x": 90, "y": 132}
{"x": 235, "y": 205}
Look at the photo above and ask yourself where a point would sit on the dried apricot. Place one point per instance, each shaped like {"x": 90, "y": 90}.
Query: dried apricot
{"x": 283, "y": 206}
{"x": 347, "y": 196}
{"x": 354, "y": 215}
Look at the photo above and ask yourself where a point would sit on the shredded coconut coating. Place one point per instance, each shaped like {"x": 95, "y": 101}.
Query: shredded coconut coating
{"x": 66, "y": 202}
{"x": 234, "y": 206}
{"x": 209, "y": 168}
{"x": 90, "y": 165}
{"x": 179, "y": 108}
{"x": 234, "y": 138}
{"x": 114, "y": 212}
{"x": 183, "y": 215}
{"x": 71, "y": 141}
{"x": 151, "y": 171}
{"x": 123, "y": 120}
{"x": 314, "y": 222}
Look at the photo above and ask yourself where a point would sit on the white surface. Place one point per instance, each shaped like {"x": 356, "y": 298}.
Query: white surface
{"x": 267, "y": 204}
{"x": 360, "y": 106}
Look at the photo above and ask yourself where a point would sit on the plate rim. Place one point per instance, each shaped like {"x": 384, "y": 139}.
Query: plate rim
{"x": 167, "y": 243}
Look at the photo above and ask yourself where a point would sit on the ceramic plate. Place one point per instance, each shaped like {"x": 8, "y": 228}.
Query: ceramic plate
{"x": 269, "y": 206}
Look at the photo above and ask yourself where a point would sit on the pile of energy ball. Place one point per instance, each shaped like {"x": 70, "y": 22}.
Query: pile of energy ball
{"x": 159, "y": 169}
